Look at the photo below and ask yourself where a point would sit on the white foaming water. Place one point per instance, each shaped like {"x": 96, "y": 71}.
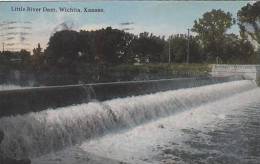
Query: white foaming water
{"x": 9, "y": 87}
{"x": 39, "y": 133}
{"x": 143, "y": 144}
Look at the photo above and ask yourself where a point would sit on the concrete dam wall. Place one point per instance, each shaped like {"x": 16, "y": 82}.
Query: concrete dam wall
{"x": 248, "y": 71}
{"x": 20, "y": 101}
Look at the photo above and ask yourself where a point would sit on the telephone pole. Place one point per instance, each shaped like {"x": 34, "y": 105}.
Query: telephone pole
{"x": 169, "y": 55}
{"x": 188, "y": 48}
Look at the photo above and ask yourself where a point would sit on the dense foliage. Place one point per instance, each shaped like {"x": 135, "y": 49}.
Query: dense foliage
{"x": 249, "y": 21}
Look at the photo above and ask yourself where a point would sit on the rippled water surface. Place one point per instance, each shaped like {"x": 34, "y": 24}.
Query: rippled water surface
{"x": 236, "y": 139}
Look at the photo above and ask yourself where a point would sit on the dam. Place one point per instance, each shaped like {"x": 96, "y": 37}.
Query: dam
{"x": 248, "y": 71}
{"x": 166, "y": 121}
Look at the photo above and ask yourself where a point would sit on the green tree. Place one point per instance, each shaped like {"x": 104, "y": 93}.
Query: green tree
{"x": 112, "y": 45}
{"x": 37, "y": 59}
{"x": 24, "y": 56}
{"x": 63, "y": 50}
{"x": 38, "y": 50}
{"x": 178, "y": 49}
{"x": 62, "y": 57}
{"x": 148, "y": 47}
{"x": 249, "y": 21}
{"x": 86, "y": 41}
{"x": 237, "y": 50}
{"x": 211, "y": 30}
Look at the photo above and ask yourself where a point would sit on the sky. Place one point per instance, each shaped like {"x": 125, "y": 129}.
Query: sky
{"x": 158, "y": 17}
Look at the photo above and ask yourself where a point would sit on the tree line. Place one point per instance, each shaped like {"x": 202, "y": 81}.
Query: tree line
{"x": 210, "y": 43}
{"x": 71, "y": 51}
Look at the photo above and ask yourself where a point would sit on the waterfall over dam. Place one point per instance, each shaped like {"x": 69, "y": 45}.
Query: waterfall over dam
{"x": 25, "y": 100}
{"x": 38, "y": 133}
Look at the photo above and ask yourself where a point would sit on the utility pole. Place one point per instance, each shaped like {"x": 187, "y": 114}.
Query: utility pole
{"x": 3, "y": 47}
{"x": 169, "y": 55}
{"x": 188, "y": 48}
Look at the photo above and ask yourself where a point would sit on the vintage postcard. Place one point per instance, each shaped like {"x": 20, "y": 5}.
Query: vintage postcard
{"x": 112, "y": 82}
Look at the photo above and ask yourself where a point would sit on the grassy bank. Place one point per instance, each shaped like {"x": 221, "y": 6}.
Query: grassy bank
{"x": 154, "y": 71}
{"x": 93, "y": 73}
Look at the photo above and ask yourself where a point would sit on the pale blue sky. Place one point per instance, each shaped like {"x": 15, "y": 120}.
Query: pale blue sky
{"x": 158, "y": 17}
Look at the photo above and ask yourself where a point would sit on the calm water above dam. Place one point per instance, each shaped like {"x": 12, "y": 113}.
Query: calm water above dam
{"x": 210, "y": 124}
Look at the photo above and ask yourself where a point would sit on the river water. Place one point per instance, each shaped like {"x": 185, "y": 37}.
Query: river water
{"x": 224, "y": 131}
{"x": 211, "y": 124}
